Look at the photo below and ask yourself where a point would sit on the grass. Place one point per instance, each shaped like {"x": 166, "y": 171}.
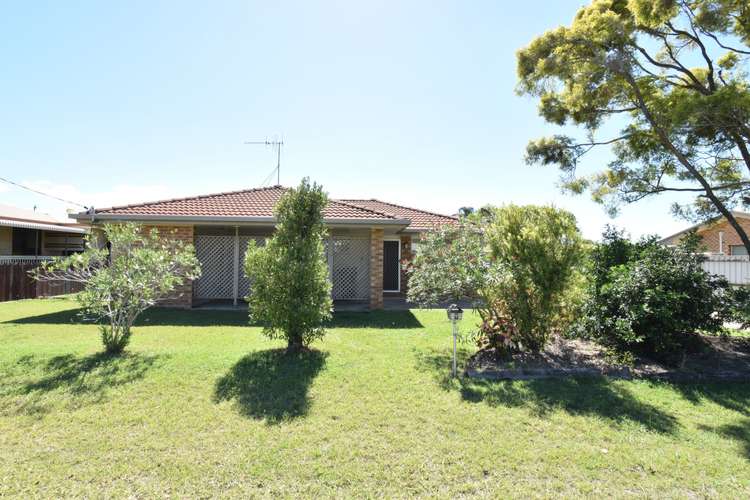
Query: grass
{"x": 203, "y": 405}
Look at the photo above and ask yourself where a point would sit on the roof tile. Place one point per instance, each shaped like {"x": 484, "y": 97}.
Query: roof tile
{"x": 420, "y": 219}
{"x": 260, "y": 202}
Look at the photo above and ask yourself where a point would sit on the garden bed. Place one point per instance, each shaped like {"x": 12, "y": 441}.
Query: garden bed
{"x": 718, "y": 358}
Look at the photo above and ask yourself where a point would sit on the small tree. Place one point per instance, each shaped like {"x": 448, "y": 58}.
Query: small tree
{"x": 291, "y": 292}
{"x": 141, "y": 269}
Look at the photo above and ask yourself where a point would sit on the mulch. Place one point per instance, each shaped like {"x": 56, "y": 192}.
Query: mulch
{"x": 719, "y": 358}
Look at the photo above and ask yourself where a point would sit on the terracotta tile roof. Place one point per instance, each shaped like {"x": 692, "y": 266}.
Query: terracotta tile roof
{"x": 259, "y": 203}
{"x": 420, "y": 219}
{"x": 246, "y": 203}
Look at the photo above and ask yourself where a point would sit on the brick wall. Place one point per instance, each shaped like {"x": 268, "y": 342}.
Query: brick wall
{"x": 376, "y": 269}
{"x": 710, "y": 236}
{"x": 183, "y": 295}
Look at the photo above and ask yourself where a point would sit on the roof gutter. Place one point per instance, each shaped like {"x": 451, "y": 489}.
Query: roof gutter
{"x": 186, "y": 219}
{"x": 42, "y": 227}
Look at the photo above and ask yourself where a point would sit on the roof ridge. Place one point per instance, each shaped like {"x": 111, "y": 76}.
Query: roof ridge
{"x": 405, "y": 207}
{"x": 194, "y": 197}
{"x": 365, "y": 209}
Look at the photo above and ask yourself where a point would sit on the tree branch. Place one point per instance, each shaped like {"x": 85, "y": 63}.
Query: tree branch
{"x": 695, "y": 38}
{"x": 683, "y": 159}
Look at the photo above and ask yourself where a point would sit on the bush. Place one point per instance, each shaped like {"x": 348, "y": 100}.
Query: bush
{"x": 141, "y": 269}
{"x": 738, "y": 306}
{"x": 649, "y": 299}
{"x": 290, "y": 292}
{"x": 516, "y": 263}
{"x": 452, "y": 264}
{"x": 538, "y": 248}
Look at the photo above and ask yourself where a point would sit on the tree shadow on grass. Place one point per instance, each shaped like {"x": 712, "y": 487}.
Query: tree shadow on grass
{"x": 157, "y": 316}
{"x": 35, "y": 385}
{"x": 595, "y": 396}
{"x": 734, "y": 396}
{"x": 272, "y": 384}
{"x": 375, "y": 319}
{"x": 163, "y": 316}
{"x": 739, "y": 432}
{"x": 730, "y": 395}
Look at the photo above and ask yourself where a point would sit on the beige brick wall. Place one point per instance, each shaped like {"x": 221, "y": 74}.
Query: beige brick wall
{"x": 711, "y": 235}
{"x": 183, "y": 295}
{"x": 376, "y": 269}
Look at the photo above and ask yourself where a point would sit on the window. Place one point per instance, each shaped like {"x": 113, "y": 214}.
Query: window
{"x": 26, "y": 241}
{"x": 737, "y": 250}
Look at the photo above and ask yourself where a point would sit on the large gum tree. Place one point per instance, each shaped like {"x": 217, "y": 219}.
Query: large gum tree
{"x": 672, "y": 77}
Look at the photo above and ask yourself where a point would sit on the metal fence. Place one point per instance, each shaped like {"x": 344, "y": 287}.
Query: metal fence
{"x": 735, "y": 268}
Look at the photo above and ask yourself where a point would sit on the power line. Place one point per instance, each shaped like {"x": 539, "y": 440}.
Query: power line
{"x": 8, "y": 181}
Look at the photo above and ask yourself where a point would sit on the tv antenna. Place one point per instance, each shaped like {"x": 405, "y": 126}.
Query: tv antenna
{"x": 276, "y": 145}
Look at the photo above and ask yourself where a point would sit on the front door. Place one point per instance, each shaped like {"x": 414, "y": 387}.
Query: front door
{"x": 391, "y": 266}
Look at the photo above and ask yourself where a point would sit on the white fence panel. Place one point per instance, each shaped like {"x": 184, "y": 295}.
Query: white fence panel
{"x": 735, "y": 268}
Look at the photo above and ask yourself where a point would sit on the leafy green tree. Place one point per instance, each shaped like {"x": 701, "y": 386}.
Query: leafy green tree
{"x": 672, "y": 75}
{"x": 291, "y": 293}
{"x": 465, "y": 211}
{"x": 119, "y": 284}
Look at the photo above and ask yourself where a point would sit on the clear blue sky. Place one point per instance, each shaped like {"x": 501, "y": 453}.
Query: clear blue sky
{"x": 409, "y": 101}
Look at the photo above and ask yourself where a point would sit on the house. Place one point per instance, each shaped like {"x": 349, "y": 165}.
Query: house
{"x": 717, "y": 236}
{"x": 368, "y": 239}
{"x": 28, "y": 237}
{"x": 29, "y": 234}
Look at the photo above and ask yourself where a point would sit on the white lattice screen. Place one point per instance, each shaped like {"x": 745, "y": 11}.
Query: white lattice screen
{"x": 349, "y": 268}
{"x": 348, "y": 262}
{"x": 216, "y": 255}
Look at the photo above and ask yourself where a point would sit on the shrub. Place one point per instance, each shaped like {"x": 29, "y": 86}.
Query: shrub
{"x": 538, "y": 248}
{"x": 452, "y": 264}
{"x": 648, "y": 299}
{"x": 516, "y": 263}
{"x": 290, "y": 292}
{"x": 141, "y": 269}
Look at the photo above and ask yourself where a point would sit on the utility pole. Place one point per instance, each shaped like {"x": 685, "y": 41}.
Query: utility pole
{"x": 277, "y": 145}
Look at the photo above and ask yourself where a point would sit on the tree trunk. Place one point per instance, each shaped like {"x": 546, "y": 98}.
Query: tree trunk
{"x": 294, "y": 344}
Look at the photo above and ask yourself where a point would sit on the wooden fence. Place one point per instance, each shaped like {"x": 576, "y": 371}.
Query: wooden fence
{"x": 15, "y": 282}
{"x": 735, "y": 268}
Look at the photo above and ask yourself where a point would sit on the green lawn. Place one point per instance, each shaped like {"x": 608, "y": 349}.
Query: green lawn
{"x": 203, "y": 405}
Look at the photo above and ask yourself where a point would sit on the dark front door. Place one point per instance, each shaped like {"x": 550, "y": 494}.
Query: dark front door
{"x": 391, "y": 267}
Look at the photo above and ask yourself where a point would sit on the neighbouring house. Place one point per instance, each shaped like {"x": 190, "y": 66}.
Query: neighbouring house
{"x": 27, "y": 233}
{"x": 717, "y": 236}
{"x": 28, "y": 237}
{"x": 368, "y": 240}
{"x": 726, "y": 255}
